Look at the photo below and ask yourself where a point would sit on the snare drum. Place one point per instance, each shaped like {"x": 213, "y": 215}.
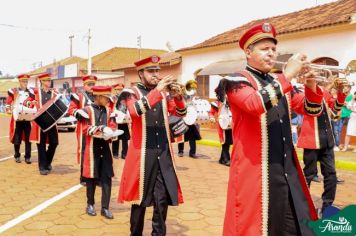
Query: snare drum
{"x": 177, "y": 126}
{"x": 50, "y": 113}
{"x": 191, "y": 115}
{"x": 122, "y": 118}
{"x": 22, "y": 113}
{"x": 202, "y": 107}
{"x": 115, "y": 133}
{"x": 225, "y": 117}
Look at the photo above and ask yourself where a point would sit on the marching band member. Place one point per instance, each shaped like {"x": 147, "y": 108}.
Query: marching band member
{"x": 45, "y": 157}
{"x": 120, "y": 106}
{"x": 20, "y": 129}
{"x": 149, "y": 177}
{"x": 193, "y": 132}
{"x": 79, "y": 101}
{"x": 267, "y": 192}
{"x": 96, "y": 156}
{"x": 317, "y": 139}
{"x": 225, "y": 135}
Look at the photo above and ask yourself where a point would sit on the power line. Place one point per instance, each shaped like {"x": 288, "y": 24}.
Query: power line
{"x": 39, "y": 29}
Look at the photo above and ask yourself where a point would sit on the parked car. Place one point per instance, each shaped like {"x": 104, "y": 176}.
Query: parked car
{"x": 67, "y": 122}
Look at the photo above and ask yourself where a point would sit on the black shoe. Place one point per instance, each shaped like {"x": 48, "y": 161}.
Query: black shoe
{"x": 116, "y": 156}
{"x": 49, "y": 167}
{"x": 17, "y": 159}
{"x": 316, "y": 179}
{"x": 44, "y": 172}
{"x": 225, "y": 163}
{"x": 123, "y": 157}
{"x": 91, "y": 210}
{"x": 339, "y": 180}
{"x": 28, "y": 160}
{"x": 106, "y": 213}
{"x": 180, "y": 154}
{"x": 193, "y": 156}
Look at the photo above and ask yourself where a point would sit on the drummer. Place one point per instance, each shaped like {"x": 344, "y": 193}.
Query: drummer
{"x": 225, "y": 135}
{"x": 193, "y": 132}
{"x": 20, "y": 129}
{"x": 97, "y": 158}
{"x": 50, "y": 137}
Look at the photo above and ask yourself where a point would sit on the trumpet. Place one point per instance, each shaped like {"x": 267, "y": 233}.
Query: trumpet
{"x": 328, "y": 70}
{"x": 182, "y": 89}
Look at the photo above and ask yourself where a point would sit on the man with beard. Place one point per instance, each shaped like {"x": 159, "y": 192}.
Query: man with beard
{"x": 149, "y": 176}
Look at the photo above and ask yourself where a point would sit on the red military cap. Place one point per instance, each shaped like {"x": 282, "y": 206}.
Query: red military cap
{"x": 119, "y": 86}
{"x": 102, "y": 90}
{"x": 151, "y": 62}
{"x": 261, "y": 31}
{"x": 23, "y": 77}
{"x": 45, "y": 76}
{"x": 89, "y": 79}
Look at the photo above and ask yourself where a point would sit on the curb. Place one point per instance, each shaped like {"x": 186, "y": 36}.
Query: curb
{"x": 340, "y": 164}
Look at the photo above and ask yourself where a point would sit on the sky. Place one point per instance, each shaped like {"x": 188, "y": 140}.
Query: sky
{"x": 37, "y": 31}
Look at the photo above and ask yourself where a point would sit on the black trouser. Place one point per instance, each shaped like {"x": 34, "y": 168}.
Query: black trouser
{"x": 225, "y": 153}
{"x": 116, "y": 145}
{"x": 192, "y": 144}
{"x": 291, "y": 226}
{"x": 45, "y": 157}
{"x": 327, "y": 165}
{"x": 22, "y": 127}
{"x": 160, "y": 208}
{"x": 106, "y": 184}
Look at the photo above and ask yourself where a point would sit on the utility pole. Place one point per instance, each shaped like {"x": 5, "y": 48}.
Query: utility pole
{"x": 89, "y": 57}
{"x": 71, "y": 47}
{"x": 139, "y": 46}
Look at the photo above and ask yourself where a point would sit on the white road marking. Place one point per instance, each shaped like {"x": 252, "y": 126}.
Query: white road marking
{"x": 38, "y": 208}
{"x": 9, "y": 157}
{"x": 4, "y": 136}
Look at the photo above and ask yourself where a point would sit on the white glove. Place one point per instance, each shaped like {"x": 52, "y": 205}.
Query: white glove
{"x": 212, "y": 119}
{"x": 82, "y": 113}
{"x": 107, "y": 133}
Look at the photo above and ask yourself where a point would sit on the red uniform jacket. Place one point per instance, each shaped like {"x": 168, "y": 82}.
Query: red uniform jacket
{"x": 78, "y": 102}
{"x": 247, "y": 196}
{"x": 35, "y": 131}
{"x": 132, "y": 180}
{"x": 309, "y": 133}
{"x": 13, "y": 94}
{"x": 89, "y": 128}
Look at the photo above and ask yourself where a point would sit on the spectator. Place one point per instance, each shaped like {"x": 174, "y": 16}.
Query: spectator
{"x": 351, "y": 126}
{"x": 344, "y": 118}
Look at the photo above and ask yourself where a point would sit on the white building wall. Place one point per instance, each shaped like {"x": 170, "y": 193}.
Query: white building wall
{"x": 340, "y": 46}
